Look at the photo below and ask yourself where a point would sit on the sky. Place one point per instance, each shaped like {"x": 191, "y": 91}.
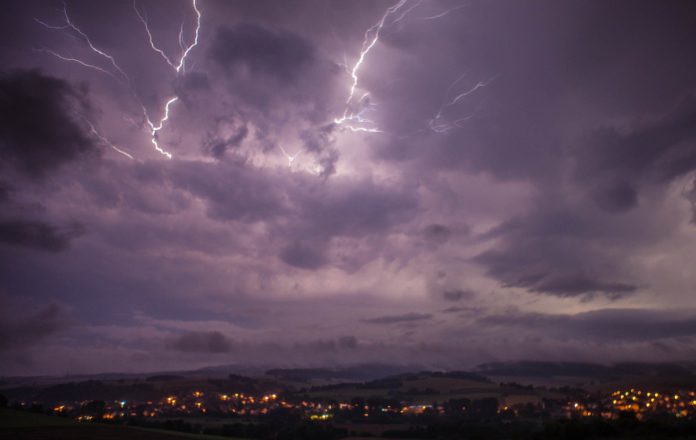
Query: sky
{"x": 293, "y": 183}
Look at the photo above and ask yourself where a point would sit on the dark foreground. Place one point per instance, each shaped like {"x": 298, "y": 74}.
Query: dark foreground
{"x": 22, "y": 425}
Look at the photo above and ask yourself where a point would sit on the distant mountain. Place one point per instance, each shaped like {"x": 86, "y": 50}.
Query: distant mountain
{"x": 355, "y": 373}
{"x": 544, "y": 369}
{"x": 576, "y": 373}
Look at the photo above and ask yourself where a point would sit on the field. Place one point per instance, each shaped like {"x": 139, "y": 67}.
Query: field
{"x": 22, "y": 425}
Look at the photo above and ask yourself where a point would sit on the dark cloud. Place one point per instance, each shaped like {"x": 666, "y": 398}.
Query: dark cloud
{"x": 233, "y": 192}
{"x": 658, "y": 150}
{"x": 5, "y": 192}
{"x": 355, "y": 208}
{"x": 278, "y": 54}
{"x": 458, "y": 294}
{"x": 40, "y": 126}
{"x": 202, "y": 342}
{"x": 276, "y": 80}
{"x": 19, "y": 330}
{"x": 193, "y": 82}
{"x": 347, "y": 342}
{"x": 395, "y": 319}
{"x": 691, "y": 197}
{"x": 528, "y": 268}
{"x": 603, "y": 324}
{"x": 38, "y": 235}
{"x": 303, "y": 255}
{"x": 561, "y": 248}
{"x": 551, "y": 144}
{"x": 218, "y": 147}
{"x": 615, "y": 197}
{"x": 578, "y": 284}
{"x": 342, "y": 343}
{"x": 437, "y": 233}
{"x": 317, "y": 139}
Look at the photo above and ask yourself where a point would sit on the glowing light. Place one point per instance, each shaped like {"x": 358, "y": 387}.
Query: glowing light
{"x": 444, "y": 13}
{"x": 78, "y": 61}
{"x": 291, "y": 158}
{"x": 181, "y": 64}
{"x": 354, "y": 120}
{"x": 178, "y": 67}
{"x": 405, "y": 13}
{"x": 470, "y": 91}
{"x": 368, "y": 43}
{"x": 438, "y": 123}
{"x": 154, "y": 129}
{"x": 107, "y": 142}
{"x": 371, "y": 38}
{"x": 70, "y": 25}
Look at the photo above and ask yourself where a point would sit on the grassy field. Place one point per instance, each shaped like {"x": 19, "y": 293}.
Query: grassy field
{"x": 22, "y": 425}
{"x": 10, "y": 418}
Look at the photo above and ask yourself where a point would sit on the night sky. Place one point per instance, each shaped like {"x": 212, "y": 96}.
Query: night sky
{"x": 430, "y": 183}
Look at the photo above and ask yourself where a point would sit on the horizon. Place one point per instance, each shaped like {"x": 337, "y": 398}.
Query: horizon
{"x": 372, "y": 371}
{"x": 193, "y": 183}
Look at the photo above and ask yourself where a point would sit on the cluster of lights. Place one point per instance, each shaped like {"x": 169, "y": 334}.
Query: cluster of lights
{"x": 638, "y": 401}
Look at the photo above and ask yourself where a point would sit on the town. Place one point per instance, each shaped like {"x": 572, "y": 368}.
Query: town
{"x": 406, "y": 405}
{"x": 641, "y": 404}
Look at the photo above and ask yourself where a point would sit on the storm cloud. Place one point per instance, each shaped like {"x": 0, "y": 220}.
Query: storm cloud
{"x": 38, "y": 235}
{"x": 21, "y": 330}
{"x": 483, "y": 181}
{"x": 202, "y": 342}
{"x": 41, "y": 127}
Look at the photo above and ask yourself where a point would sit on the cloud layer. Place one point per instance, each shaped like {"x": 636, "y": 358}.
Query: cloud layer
{"x": 489, "y": 182}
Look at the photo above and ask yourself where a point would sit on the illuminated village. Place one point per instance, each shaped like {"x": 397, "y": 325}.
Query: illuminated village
{"x": 288, "y": 404}
{"x": 621, "y": 403}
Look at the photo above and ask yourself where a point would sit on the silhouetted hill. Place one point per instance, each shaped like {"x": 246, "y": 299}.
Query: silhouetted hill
{"x": 583, "y": 369}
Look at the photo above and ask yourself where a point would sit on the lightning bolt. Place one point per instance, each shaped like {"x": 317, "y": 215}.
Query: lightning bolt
{"x": 370, "y": 39}
{"x": 444, "y": 13}
{"x": 149, "y": 36}
{"x": 438, "y": 123}
{"x": 178, "y": 67}
{"x": 291, "y": 158}
{"x": 182, "y": 45}
{"x": 355, "y": 120}
{"x": 107, "y": 142}
{"x": 154, "y": 129}
{"x": 367, "y": 45}
{"x": 78, "y": 61}
{"x": 478, "y": 85}
{"x": 69, "y": 25}
{"x": 405, "y": 13}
